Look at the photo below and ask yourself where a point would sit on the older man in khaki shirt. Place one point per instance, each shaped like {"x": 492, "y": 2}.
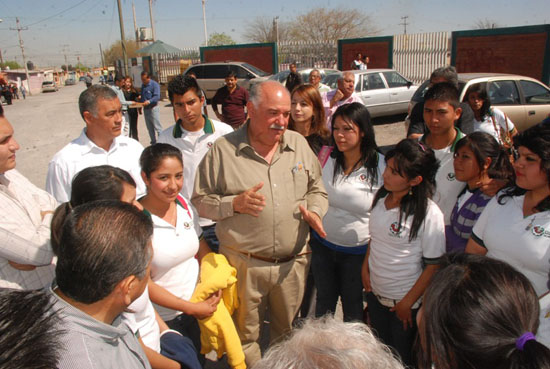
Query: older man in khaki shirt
{"x": 262, "y": 184}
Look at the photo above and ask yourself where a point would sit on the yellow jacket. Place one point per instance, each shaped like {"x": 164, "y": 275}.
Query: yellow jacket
{"x": 218, "y": 331}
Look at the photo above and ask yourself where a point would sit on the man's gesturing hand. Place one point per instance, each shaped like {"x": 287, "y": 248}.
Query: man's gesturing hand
{"x": 314, "y": 221}
{"x": 250, "y": 201}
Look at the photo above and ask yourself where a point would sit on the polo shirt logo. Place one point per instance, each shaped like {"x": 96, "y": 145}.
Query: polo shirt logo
{"x": 209, "y": 144}
{"x": 395, "y": 229}
{"x": 540, "y": 231}
{"x": 363, "y": 178}
{"x": 450, "y": 177}
{"x": 187, "y": 225}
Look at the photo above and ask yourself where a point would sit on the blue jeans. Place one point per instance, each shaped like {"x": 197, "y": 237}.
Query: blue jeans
{"x": 209, "y": 234}
{"x": 389, "y": 329}
{"x": 337, "y": 274}
{"x": 152, "y": 121}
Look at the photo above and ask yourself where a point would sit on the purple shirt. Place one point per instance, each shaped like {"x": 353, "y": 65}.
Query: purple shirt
{"x": 232, "y": 105}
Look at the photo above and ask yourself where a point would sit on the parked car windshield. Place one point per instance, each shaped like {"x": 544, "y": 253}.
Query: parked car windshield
{"x": 258, "y": 71}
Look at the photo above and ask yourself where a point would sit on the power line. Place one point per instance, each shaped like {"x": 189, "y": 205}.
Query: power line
{"x": 404, "y": 24}
{"x": 55, "y": 15}
{"x": 19, "y": 29}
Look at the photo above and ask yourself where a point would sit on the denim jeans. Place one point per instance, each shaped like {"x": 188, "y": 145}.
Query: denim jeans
{"x": 152, "y": 121}
{"x": 337, "y": 274}
{"x": 188, "y": 326}
{"x": 389, "y": 329}
{"x": 209, "y": 234}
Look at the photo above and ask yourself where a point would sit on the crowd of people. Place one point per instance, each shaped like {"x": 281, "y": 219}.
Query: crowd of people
{"x": 438, "y": 248}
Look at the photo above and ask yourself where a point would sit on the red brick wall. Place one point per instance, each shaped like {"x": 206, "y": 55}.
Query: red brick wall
{"x": 259, "y": 56}
{"x": 517, "y": 54}
{"x": 376, "y": 51}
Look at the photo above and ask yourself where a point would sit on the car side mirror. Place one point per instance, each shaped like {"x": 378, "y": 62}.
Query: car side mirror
{"x": 249, "y": 76}
{"x": 409, "y": 84}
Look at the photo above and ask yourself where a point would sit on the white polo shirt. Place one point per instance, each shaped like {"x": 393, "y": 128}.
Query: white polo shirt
{"x": 194, "y": 145}
{"x": 144, "y": 320}
{"x": 350, "y": 200}
{"x": 395, "y": 264}
{"x": 523, "y": 242}
{"x": 174, "y": 266}
{"x": 83, "y": 153}
{"x": 447, "y": 186}
{"x": 502, "y": 123}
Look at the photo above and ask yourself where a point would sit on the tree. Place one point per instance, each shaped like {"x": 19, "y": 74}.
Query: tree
{"x": 320, "y": 24}
{"x": 219, "y": 39}
{"x": 10, "y": 65}
{"x": 81, "y": 67}
{"x": 261, "y": 29}
{"x": 485, "y": 24}
{"x": 114, "y": 52}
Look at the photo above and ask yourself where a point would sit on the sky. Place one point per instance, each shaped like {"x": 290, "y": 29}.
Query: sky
{"x": 76, "y": 28}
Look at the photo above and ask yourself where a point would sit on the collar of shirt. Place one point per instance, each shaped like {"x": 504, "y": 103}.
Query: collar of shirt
{"x": 459, "y": 136}
{"x": 86, "y": 324}
{"x": 208, "y": 128}
{"x": 90, "y": 146}
{"x": 244, "y": 142}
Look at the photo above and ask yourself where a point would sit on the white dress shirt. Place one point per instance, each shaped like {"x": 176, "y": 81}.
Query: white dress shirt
{"x": 83, "y": 153}
{"x": 24, "y": 233}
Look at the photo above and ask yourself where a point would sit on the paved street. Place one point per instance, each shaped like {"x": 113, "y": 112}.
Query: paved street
{"x": 46, "y": 122}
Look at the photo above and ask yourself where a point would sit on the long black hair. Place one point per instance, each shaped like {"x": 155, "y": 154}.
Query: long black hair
{"x": 358, "y": 114}
{"x": 103, "y": 182}
{"x": 474, "y": 311}
{"x": 537, "y": 140}
{"x": 481, "y": 90}
{"x": 483, "y": 146}
{"x": 413, "y": 159}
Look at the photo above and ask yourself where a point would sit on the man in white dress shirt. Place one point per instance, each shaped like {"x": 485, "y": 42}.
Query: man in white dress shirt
{"x": 99, "y": 143}
{"x": 25, "y": 217}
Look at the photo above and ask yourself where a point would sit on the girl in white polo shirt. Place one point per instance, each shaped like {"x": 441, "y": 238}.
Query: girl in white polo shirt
{"x": 515, "y": 225}
{"x": 489, "y": 119}
{"x": 351, "y": 176}
{"x": 407, "y": 231}
{"x": 174, "y": 267}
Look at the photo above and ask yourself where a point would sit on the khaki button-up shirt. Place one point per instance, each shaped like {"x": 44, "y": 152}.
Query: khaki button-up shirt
{"x": 292, "y": 178}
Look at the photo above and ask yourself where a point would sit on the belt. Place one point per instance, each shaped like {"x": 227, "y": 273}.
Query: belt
{"x": 268, "y": 259}
{"x": 384, "y": 301}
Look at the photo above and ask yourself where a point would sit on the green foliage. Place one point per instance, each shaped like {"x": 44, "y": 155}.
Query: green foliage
{"x": 114, "y": 52}
{"x": 219, "y": 39}
{"x": 11, "y": 65}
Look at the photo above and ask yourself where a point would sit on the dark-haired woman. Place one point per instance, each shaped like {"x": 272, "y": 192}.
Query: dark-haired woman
{"x": 478, "y": 157}
{"x": 130, "y": 94}
{"x": 351, "y": 176}
{"x": 515, "y": 225}
{"x": 480, "y": 313}
{"x": 174, "y": 268}
{"x": 489, "y": 119}
{"x": 407, "y": 231}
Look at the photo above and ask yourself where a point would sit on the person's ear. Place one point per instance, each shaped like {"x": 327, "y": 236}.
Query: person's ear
{"x": 125, "y": 288}
{"x": 88, "y": 117}
{"x": 144, "y": 178}
{"x": 416, "y": 181}
{"x": 487, "y": 164}
{"x": 458, "y": 113}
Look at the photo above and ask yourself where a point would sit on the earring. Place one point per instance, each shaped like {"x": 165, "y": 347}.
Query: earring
{"x": 410, "y": 191}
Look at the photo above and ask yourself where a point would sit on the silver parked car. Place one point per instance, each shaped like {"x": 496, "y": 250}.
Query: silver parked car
{"x": 383, "y": 91}
{"x": 524, "y": 100}
{"x": 304, "y": 73}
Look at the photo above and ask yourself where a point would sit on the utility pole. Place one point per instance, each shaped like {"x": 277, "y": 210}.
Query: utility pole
{"x": 19, "y": 29}
{"x": 204, "y": 22}
{"x": 102, "y": 59}
{"x": 152, "y": 20}
{"x": 404, "y": 24}
{"x": 65, "y": 54}
{"x": 136, "y": 32}
{"x": 276, "y": 29}
{"x": 122, "y": 38}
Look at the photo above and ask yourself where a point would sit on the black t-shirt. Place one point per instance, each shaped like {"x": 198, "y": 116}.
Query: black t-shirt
{"x": 465, "y": 123}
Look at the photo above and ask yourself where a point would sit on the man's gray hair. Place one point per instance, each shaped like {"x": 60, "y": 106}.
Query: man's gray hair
{"x": 448, "y": 73}
{"x": 89, "y": 97}
{"x": 344, "y": 74}
{"x": 256, "y": 92}
{"x": 330, "y": 344}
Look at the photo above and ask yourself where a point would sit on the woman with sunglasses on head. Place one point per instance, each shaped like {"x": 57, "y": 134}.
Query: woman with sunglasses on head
{"x": 515, "y": 224}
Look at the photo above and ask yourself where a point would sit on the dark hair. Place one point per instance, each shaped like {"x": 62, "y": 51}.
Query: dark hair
{"x": 1, "y": 111}
{"x": 481, "y": 90}
{"x": 145, "y": 74}
{"x": 445, "y": 92}
{"x": 87, "y": 101}
{"x": 231, "y": 74}
{"x": 359, "y": 115}
{"x": 119, "y": 77}
{"x": 537, "y": 140}
{"x": 181, "y": 84}
{"x": 413, "y": 159}
{"x": 312, "y": 97}
{"x": 102, "y": 243}
{"x": 30, "y": 330}
{"x": 103, "y": 182}
{"x": 475, "y": 309}
{"x": 448, "y": 73}
{"x": 484, "y": 146}
{"x": 152, "y": 157}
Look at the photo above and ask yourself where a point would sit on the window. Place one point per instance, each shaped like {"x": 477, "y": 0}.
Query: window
{"x": 219, "y": 71}
{"x": 198, "y": 70}
{"x": 535, "y": 93}
{"x": 239, "y": 71}
{"x": 374, "y": 81}
{"x": 503, "y": 93}
{"x": 394, "y": 79}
